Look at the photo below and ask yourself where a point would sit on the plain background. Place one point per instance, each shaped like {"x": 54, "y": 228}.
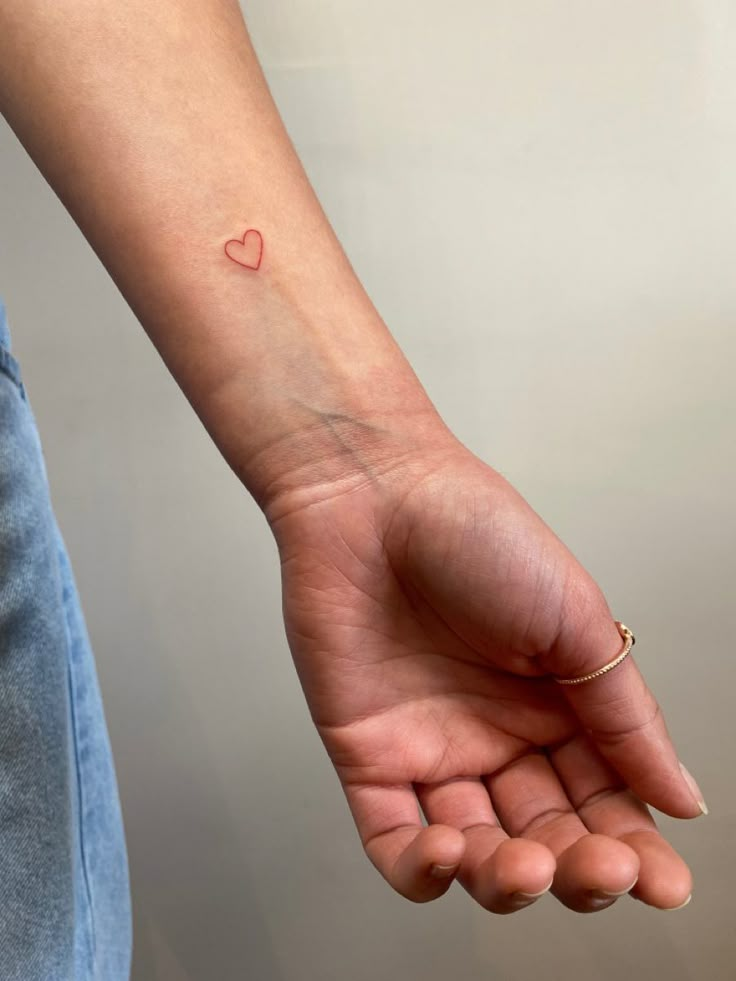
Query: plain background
{"x": 540, "y": 198}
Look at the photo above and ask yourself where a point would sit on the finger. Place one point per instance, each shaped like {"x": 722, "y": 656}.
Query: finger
{"x": 530, "y": 802}
{"x": 620, "y": 712}
{"x": 607, "y": 806}
{"x": 502, "y": 874}
{"x": 662, "y": 887}
{"x": 419, "y": 863}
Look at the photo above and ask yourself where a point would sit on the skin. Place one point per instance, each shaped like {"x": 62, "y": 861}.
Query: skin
{"x": 426, "y": 605}
{"x": 426, "y": 610}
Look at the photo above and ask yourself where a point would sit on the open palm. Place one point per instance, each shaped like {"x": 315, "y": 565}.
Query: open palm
{"x": 427, "y": 613}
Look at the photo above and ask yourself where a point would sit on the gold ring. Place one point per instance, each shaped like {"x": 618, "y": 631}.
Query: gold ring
{"x": 629, "y": 641}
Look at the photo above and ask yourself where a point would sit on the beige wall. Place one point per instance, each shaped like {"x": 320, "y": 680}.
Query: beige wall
{"x": 541, "y": 198}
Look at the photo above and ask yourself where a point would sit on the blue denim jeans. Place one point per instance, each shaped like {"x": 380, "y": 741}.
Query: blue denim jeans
{"x": 64, "y": 893}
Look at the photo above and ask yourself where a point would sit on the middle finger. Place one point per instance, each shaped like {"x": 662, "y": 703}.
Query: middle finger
{"x": 531, "y": 803}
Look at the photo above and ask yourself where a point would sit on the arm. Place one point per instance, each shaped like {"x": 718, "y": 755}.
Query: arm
{"x": 426, "y": 605}
{"x": 154, "y": 125}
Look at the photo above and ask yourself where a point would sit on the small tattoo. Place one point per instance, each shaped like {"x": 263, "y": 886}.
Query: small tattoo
{"x": 246, "y": 251}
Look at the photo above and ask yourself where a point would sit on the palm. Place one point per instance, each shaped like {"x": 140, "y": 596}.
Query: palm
{"x": 424, "y": 622}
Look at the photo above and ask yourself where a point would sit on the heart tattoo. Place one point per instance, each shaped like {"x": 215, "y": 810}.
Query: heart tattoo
{"x": 246, "y": 251}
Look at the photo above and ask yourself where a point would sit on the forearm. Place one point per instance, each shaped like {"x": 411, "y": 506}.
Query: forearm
{"x": 153, "y": 124}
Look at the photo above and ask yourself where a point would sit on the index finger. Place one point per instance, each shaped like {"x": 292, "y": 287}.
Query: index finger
{"x": 622, "y": 715}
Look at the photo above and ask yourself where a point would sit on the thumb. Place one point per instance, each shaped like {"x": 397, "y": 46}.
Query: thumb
{"x": 619, "y": 711}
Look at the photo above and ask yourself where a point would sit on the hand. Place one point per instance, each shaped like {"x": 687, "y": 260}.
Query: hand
{"x": 426, "y": 612}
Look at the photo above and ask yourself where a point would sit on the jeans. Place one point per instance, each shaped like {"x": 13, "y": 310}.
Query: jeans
{"x": 64, "y": 892}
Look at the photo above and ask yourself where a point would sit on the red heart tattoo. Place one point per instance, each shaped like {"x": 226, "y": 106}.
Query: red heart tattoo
{"x": 246, "y": 251}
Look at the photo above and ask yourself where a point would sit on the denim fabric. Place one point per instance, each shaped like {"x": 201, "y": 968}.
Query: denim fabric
{"x": 64, "y": 893}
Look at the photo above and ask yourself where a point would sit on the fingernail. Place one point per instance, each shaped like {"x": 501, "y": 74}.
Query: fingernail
{"x": 694, "y": 788}
{"x": 670, "y": 908}
{"x": 442, "y": 871}
{"x": 531, "y": 895}
{"x": 604, "y": 894}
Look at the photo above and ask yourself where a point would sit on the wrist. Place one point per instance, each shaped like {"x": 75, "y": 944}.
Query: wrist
{"x": 308, "y": 439}
{"x": 293, "y": 372}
